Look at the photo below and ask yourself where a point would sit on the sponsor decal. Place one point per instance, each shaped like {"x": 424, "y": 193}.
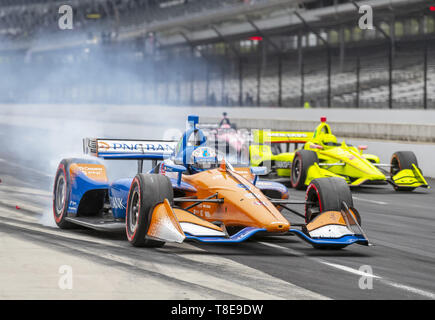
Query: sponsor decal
{"x": 204, "y": 154}
{"x": 93, "y": 171}
{"x": 103, "y": 145}
{"x": 259, "y": 203}
{"x": 135, "y": 146}
{"x": 116, "y": 203}
{"x": 72, "y": 207}
{"x": 282, "y": 164}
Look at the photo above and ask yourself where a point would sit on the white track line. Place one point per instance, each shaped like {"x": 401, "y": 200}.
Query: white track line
{"x": 424, "y": 293}
{"x": 420, "y": 292}
{"x": 350, "y": 270}
{"x": 370, "y": 201}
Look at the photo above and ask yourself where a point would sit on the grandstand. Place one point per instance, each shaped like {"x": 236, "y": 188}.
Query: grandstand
{"x": 230, "y": 52}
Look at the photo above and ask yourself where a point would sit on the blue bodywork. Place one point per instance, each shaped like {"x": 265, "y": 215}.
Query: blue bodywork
{"x": 79, "y": 186}
{"x": 118, "y": 194}
{"x": 343, "y": 241}
{"x": 240, "y": 236}
{"x": 248, "y": 232}
{"x": 273, "y": 186}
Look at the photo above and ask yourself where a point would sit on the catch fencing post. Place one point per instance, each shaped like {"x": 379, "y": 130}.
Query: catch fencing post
{"x": 328, "y": 48}
{"x": 280, "y": 53}
{"x": 425, "y": 75}
{"x": 358, "y": 85}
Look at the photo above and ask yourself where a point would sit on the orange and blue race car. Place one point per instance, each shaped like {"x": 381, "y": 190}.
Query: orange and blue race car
{"x": 193, "y": 193}
{"x": 321, "y": 155}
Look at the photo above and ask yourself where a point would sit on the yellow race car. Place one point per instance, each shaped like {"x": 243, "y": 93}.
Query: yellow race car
{"x": 322, "y": 156}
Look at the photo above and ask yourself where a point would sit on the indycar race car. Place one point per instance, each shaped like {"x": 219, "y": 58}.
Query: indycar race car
{"x": 233, "y": 142}
{"x": 322, "y": 156}
{"x": 193, "y": 193}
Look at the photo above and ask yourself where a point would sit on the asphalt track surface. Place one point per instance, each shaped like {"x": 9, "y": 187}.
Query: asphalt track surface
{"x": 401, "y": 227}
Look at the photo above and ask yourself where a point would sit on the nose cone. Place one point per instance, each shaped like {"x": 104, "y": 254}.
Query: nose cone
{"x": 377, "y": 177}
{"x": 252, "y": 208}
{"x": 278, "y": 226}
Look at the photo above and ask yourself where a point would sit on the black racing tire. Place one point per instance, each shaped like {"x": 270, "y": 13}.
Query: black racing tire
{"x": 61, "y": 194}
{"x": 62, "y": 191}
{"x": 326, "y": 194}
{"x": 401, "y": 160}
{"x": 146, "y": 191}
{"x": 302, "y": 160}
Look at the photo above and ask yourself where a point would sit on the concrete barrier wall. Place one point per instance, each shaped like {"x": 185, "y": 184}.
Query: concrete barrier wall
{"x": 397, "y": 125}
{"x": 384, "y": 131}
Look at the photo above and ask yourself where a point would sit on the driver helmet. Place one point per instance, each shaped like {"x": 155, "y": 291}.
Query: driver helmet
{"x": 203, "y": 158}
{"x": 329, "y": 139}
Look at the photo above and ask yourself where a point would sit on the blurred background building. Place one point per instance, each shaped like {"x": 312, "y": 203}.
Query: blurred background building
{"x": 288, "y": 53}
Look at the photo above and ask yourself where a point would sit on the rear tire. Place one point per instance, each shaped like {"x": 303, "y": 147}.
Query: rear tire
{"x": 61, "y": 194}
{"x": 146, "y": 191}
{"x": 62, "y": 191}
{"x": 302, "y": 161}
{"x": 402, "y": 160}
{"x": 326, "y": 194}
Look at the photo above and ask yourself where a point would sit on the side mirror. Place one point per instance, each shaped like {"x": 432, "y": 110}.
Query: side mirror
{"x": 259, "y": 171}
{"x": 316, "y": 146}
{"x": 175, "y": 168}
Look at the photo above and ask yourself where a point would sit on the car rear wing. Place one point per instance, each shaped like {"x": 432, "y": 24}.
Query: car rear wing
{"x": 265, "y": 136}
{"x": 129, "y": 149}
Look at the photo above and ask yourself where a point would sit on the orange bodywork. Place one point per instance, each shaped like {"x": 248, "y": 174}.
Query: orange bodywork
{"x": 185, "y": 216}
{"x": 327, "y": 218}
{"x": 244, "y": 204}
{"x": 163, "y": 214}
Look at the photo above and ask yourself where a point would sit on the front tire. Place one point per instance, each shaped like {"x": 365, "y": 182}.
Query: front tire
{"x": 327, "y": 194}
{"x": 146, "y": 191}
{"x": 402, "y": 160}
{"x": 302, "y": 161}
